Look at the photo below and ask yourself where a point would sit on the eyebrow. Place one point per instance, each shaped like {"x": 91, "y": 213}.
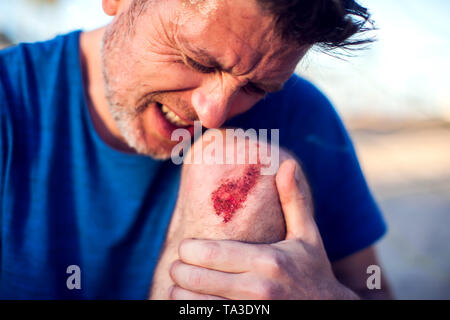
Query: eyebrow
{"x": 213, "y": 63}
{"x": 209, "y": 59}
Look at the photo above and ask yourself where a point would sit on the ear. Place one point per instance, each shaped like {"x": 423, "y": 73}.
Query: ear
{"x": 111, "y": 7}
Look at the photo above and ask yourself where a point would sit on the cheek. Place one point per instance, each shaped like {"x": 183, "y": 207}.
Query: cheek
{"x": 166, "y": 76}
{"x": 153, "y": 71}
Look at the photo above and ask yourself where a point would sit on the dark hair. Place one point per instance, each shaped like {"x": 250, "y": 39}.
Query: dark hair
{"x": 329, "y": 24}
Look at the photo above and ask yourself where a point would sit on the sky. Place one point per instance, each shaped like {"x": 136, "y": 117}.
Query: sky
{"x": 404, "y": 74}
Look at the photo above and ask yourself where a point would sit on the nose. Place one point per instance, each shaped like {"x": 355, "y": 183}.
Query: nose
{"x": 213, "y": 98}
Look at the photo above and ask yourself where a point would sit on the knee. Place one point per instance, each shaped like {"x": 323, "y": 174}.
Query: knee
{"x": 229, "y": 201}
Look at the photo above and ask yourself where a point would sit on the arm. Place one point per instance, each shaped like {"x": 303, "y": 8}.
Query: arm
{"x": 260, "y": 220}
{"x": 273, "y": 262}
{"x": 294, "y": 268}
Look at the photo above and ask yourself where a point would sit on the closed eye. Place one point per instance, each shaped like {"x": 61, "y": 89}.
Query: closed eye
{"x": 251, "y": 88}
{"x": 199, "y": 67}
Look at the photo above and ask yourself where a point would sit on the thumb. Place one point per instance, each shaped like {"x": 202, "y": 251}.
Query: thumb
{"x": 296, "y": 203}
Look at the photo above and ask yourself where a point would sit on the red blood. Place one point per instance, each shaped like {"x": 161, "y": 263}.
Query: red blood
{"x": 232, "y": 193}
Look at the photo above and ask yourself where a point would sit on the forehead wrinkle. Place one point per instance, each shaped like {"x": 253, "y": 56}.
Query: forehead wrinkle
{"x": 261, "y": 49}
{"x": 255, "y": 56}
{"x": 269, "y": 75}
{"x": 212, "y": 60}
{"x": 265, "y": 47}
{"x": 263, "y": 80}
{"x": 243, "y": 38}
{"x": 267, "y": 70}
{"x": 228, "y": 18}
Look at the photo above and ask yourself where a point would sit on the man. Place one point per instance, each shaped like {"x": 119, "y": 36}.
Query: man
{"x": 85, "y": 118}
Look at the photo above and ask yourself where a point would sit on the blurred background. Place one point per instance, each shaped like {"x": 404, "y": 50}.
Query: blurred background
{"x": 395, "y": 100}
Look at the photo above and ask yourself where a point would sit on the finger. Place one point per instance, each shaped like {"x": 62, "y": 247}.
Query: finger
{"x": 295, "y": 202}
{"x": 221, "y": 255}
{"x": 178, "y": 293}
{"x": 205, "y": 281}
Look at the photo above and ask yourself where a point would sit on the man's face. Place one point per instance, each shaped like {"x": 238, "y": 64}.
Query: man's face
{"x": 184, "y": 60}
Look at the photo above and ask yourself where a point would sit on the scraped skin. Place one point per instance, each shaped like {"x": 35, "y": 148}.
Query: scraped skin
{"x": 232, "y": 194}
{"x": 257, "y": 216}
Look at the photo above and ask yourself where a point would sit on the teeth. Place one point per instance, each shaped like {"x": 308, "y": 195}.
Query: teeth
{"x": 173, "y": 118}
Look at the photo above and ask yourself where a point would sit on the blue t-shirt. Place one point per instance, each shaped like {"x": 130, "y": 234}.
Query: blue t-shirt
{"x": 67, "y": 198}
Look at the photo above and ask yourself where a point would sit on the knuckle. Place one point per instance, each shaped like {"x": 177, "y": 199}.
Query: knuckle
{"x": 173, "y": 292}
{"x": 195, "y": 278}
{"x": 274, "y": 262}
{"x": 266, "y": 290}
{"x": 173, "y": 270}
{"x": 210, "y": 251}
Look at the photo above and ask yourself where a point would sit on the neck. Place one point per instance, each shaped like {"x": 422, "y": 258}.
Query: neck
{"x": 91, "y": 63}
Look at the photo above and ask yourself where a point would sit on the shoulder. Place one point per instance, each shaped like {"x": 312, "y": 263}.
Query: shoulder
{"x": 299, "y": 90}
{"x": 24, "y": 68}
{"x": 35, "y": 79}
{"x": 33, "y": 51}
{"x": 299, "y": 99}
{"x": 31, "y": 74}
{"x": 303, "y": 105}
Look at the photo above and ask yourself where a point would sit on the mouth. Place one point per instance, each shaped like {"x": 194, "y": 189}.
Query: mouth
{"x": 172, "y": 117}
{"x": 163, "y": 121}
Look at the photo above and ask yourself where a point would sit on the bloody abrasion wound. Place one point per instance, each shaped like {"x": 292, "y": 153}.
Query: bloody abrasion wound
{"x": 232, "y": 193}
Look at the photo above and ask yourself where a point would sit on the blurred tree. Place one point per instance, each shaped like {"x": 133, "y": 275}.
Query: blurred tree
{"x": 4, "y": 41}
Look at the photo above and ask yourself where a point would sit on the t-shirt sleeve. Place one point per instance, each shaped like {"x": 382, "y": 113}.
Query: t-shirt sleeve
{"x": 346, "y": 213}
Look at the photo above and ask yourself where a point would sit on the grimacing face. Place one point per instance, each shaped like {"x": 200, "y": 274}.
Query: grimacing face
{"x": 184, "y": 60}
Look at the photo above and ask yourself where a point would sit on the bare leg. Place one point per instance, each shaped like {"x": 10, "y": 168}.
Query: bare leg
{"x": 203, "y": 209}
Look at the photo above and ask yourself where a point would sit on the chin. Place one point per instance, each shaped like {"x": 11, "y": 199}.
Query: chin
{"x": 139, "y": 140}
{"x": 155, "y": 150}
{"x": 151, "y": 146}
{"x": 159, "y": 154}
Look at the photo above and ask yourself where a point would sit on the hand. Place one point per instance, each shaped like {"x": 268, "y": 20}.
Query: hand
{"x": 296, "y": 268}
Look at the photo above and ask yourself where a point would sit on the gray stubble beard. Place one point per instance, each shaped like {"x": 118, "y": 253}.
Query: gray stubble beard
{"x": 127, "y": 118}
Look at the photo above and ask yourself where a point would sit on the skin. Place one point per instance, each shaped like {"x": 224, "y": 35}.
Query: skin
{"x": 259, "y": 236}
{"x": 146, "y": 60}
{"x": 260, "y": 220}
{"x": 159, "y": 50}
